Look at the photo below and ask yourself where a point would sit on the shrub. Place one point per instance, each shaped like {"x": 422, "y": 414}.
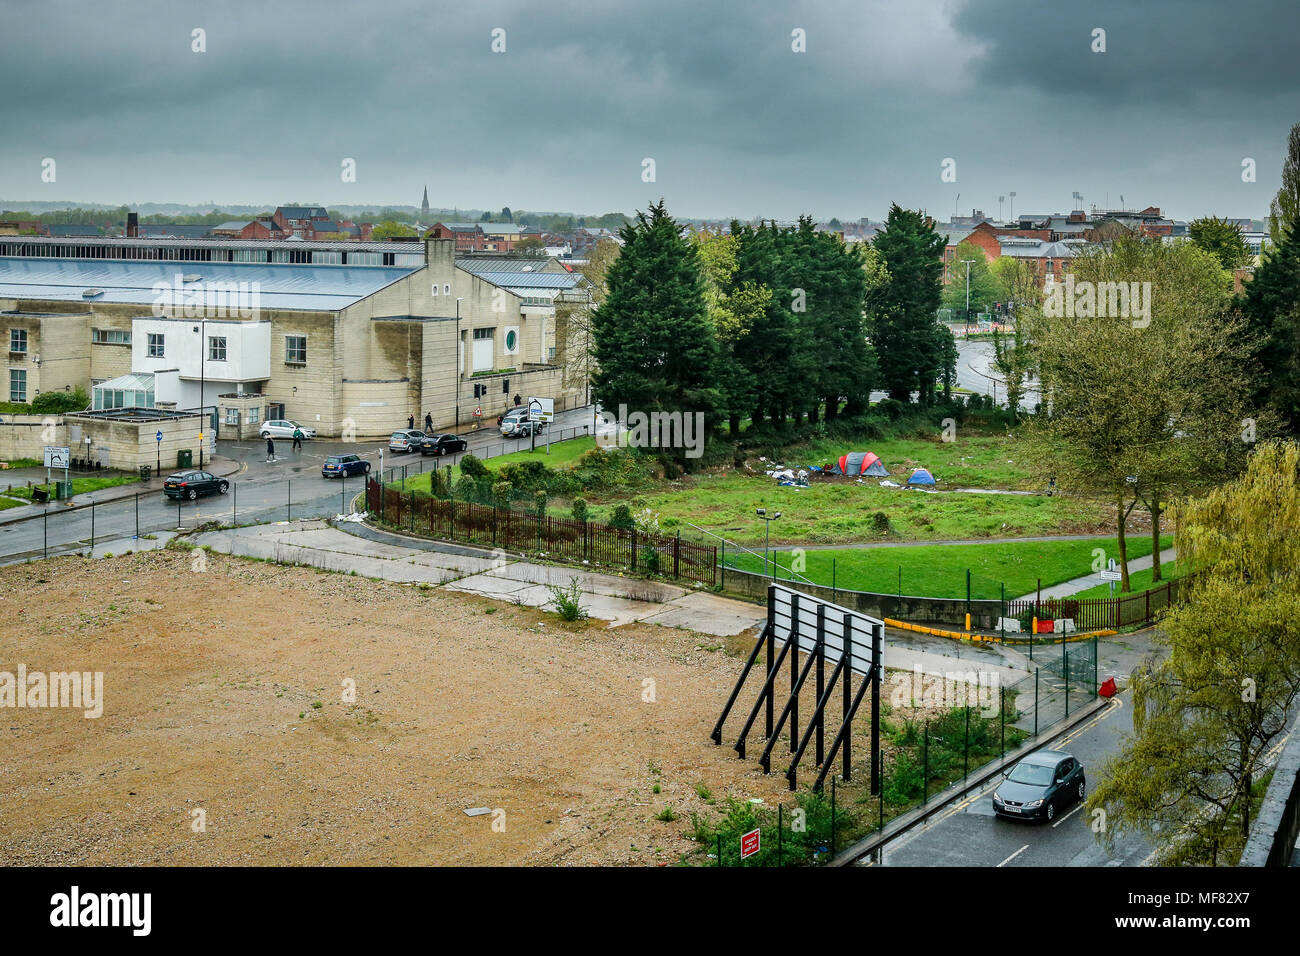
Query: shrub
{"x": 622, "y": 518}
{"x": 438, "y": 483}
{"x": 880, "y": 523}
{"x": 501, "y": 494}
{"x": 568, "y": 600}
{"x": 56, "y": 403}
{"x": 539, "y": 502}
{"x": 474, "y": 467}
{"x": 466, "y": 488}
{"x": 580, "y": 510}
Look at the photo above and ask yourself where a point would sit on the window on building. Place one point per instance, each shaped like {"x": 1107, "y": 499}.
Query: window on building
{"x": 232, "y": 416}
{"x": 254, "y": 416}
{"x": 483, "y": 333}
{"x": 110, "y": 337}
{"x": 216, "y": 348}
{"x": 295, "y": 349}
{"x": 17, "y": 340}
{"x": 18, "y": 385}
{"x": 156, "y": 348}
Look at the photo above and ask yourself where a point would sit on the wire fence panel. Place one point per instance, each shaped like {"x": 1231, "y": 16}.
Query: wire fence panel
{"x": 1090, "y": 614}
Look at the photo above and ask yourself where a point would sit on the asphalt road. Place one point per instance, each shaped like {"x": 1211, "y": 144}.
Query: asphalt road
{"x": 968, "y": 834}
{"x": 289, "y": 486}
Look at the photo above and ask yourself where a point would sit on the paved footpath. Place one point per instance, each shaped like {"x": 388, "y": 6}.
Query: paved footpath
{"x": 1075, "y": 585}
{"x": 349, "y": 546}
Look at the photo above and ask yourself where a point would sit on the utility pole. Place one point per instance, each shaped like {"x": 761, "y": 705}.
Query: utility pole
{"x": 1012, "y": 194}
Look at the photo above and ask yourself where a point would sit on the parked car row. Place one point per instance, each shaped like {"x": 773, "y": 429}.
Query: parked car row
{"x": 409, "y": 440}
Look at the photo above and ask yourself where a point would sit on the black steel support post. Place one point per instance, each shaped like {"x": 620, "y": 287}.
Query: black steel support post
{"x": 792, "y": 772}
{"x": 847, "y": 655}
{"x": 771, "y": 648}
{"x": 731, "y": 701}
{"x": 794, "y": 671}
{"x": 877, "y": 670}
{"x": 764, "y": 696}
{"x": 821, "y": 681}
{"x": 791, "y": 706}
{"x": 871, "y": 679}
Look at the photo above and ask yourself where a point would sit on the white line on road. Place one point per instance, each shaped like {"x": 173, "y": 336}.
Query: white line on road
{"x": 1014, "y": 855}
{"x": 1077, "y": 808}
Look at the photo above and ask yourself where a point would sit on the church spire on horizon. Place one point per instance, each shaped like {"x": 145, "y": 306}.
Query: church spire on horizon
{"x": 424, "y": 206}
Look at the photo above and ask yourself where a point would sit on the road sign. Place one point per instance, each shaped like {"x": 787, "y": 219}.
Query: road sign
{"x": 57, "y": 456}
{"x": 541, "y": 409}
{"x": 750, "y": 842}
{"x": 158, "y": 437}
{"x": 1111, "y": 576}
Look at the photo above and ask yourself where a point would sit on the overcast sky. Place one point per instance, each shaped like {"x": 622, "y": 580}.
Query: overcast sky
{"x": 737, "y": 123}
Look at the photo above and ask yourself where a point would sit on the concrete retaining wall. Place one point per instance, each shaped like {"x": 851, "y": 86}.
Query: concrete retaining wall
{"x": 1274, "y": 832}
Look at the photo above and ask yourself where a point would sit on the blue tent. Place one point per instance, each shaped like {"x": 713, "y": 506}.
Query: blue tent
{"x": 921, "y": 477}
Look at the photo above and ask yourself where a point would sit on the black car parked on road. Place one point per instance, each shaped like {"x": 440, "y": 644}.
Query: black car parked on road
{"x": 191, "y": 484}
{"x": 1040, "y": 785}
{"x": 442, "y": 445}
{"x": 340, "y": 466}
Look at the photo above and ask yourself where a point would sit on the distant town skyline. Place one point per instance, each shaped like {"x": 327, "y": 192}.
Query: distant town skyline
{"x": 834, "y": 109}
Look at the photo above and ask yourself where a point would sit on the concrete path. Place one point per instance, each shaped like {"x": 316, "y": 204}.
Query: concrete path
{"x": 352, "y": 547}
{"x": 1066, "y": 588}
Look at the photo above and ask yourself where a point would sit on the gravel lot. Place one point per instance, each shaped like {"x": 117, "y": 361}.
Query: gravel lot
{"x": 223, "y": 693}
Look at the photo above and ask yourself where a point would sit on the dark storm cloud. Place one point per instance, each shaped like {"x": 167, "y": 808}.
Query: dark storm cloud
{"x": 736, "y": 122}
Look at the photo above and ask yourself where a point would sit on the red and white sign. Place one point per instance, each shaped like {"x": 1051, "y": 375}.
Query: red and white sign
{"x": 749, "y": 843}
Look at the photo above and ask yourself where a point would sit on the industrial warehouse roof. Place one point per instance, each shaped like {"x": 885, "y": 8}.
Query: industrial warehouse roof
{"x": 304, "y": 287}
{"x": 530, "y": 280}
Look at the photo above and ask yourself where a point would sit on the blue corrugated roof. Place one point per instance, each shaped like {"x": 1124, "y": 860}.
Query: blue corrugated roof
{"x": 532, "y": 280}
{"x": 307, "y": 287}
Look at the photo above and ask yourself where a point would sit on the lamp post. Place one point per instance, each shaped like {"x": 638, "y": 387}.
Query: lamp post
{"x": 532, "y": 422}
{"x": 459, "y": 360}
{"x": 967, "y": 323}
{"x": 767, "y": 534}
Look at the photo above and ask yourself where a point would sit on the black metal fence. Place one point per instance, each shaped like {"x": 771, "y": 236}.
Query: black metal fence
{"x": 564, "y": 538}
{"x": 1095, "y": 613}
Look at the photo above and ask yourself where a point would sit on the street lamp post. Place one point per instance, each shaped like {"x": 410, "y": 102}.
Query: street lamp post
{"x": 767, "y": 536}
{"x": 459, "y": 360}
{"x": 532, "y": 423}
{"x": 968, "y": 264}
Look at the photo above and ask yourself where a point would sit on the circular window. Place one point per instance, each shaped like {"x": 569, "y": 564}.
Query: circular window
{"x": 510, "y": 340}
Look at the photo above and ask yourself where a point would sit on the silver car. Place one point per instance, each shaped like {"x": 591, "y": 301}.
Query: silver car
{"x": 408, "y": 439}
{"x": 284, "y": 428}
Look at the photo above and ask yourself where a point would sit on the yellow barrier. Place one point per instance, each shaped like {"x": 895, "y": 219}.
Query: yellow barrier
{"x": 991, "y": 638}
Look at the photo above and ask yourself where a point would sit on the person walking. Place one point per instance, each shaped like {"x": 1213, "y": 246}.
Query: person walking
{"x": 270, "y": 448}
{"x": 297, "y": 438}
{"x": 428, "y": 423}
{"x": 410, "y": 422}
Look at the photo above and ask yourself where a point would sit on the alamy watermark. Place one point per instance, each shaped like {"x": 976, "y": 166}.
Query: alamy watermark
{"x": 196, "y": 299}
{"x": 37, "y": 690}
{"x": 934, "y": 689}
{"x": 676, "y": 430}
{"x": 1085, "y": 299}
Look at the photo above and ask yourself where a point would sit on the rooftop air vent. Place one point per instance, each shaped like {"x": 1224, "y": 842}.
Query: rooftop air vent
{"x": 92, "y": 293}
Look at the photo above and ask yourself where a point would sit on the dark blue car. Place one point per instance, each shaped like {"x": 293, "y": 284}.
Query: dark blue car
{"x": 1040, "y": 785}
{"x": 340, "y": 466}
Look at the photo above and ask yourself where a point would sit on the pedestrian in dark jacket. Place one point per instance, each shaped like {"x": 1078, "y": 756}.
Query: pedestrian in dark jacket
{"x": 270, "y": 448}
{"x": 410, "y": 421}
{"x": 428, "y": 422}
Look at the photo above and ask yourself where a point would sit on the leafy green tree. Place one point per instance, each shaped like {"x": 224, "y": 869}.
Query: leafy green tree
{"x": 1206, "y": 717}
{"x": 1271, "y": 304}
{"x": 389, "y": 229}
{"x": 985, "y": 289}
{"x": 654, "y": 345}
{"x": 1220, "y": 238}
{"x": 901, "y": 320}
{"x": 1147, "y": 406}
{"x": 1284, "y": 211}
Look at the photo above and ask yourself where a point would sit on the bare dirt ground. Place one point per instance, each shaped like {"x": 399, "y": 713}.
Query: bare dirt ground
{"x": 223, "y": 693}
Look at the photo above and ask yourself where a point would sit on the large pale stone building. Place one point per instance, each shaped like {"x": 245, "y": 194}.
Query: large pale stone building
{"x": 348, "y": 337}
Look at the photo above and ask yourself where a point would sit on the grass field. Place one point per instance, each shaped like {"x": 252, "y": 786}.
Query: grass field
{"x": 563, "y": 455}
{"x": 940, "y": 570}
{"x": 80, "y": 485}
{"x": 974, "y": 460}
{"x": 838, "y": 513}
{"x": 1140, "y": 581}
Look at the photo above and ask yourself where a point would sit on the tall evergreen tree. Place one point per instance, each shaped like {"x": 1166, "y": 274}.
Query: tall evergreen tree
{"x": 1271, "y": 305}
{"x": 652, "y": 338}
{"x": 1284, "y": 210}
{"x": 902, "y": 317}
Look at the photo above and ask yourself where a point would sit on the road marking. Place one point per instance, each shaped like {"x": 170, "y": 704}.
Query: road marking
{"x": 1014, "y": 855}
{"x": 1077, "y": 808}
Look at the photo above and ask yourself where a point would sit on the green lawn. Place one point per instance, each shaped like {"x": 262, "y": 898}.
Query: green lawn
{"x": 1140, "y": 581}
{"x": 845, "y": 513}
{"x": 10, "y": 503}
{"x": 80, "y": 485}
{"x": 974, "y": 459}
{"x": 940, "y": 570}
